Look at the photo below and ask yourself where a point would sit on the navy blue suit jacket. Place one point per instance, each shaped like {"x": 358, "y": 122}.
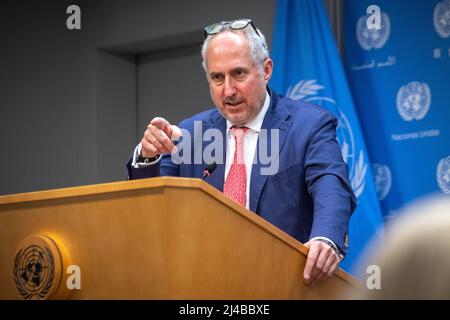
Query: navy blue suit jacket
{"x": 309, "y": 196}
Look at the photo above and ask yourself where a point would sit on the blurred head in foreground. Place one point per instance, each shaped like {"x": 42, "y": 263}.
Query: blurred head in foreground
{"x": 414, "y": 260}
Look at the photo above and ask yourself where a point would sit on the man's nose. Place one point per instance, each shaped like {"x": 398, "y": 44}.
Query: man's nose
{"x": 229, "y": 87}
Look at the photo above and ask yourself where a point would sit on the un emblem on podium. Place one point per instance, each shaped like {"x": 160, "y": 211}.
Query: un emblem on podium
{"x": 38, "y": 268}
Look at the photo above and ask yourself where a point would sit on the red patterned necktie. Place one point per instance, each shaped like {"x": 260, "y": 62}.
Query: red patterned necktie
{"x": 236, "y": 183}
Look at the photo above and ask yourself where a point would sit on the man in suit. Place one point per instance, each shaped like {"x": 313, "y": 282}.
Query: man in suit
{"x": 305, "y": 192}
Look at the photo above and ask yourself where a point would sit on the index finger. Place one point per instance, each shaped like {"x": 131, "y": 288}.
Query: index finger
{"x": 162, "y": 139}
{"x": 313, "y": 254}
{"x": 163, "y": 125}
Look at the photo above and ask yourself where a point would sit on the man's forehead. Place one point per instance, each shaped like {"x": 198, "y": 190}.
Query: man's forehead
{"x": 219, "y": 66}
{"x": 227, "y": 51}
{"x": 235, "y": 68}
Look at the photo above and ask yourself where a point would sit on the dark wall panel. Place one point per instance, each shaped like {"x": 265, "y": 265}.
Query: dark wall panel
{"x": 74, "y": 103}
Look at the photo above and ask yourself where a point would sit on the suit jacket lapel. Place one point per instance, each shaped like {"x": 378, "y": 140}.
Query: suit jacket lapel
{"x": 217, "y": 178}
{"x": 275, "y": 118}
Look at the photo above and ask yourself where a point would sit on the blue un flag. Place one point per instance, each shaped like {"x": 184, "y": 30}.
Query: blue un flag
{"x": 307, "y": 67}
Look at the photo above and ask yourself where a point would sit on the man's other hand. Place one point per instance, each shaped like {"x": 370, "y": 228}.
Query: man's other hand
{"x": 321, "y": 262}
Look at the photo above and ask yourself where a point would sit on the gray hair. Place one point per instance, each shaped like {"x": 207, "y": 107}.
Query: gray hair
{"x": 257, "y": 43}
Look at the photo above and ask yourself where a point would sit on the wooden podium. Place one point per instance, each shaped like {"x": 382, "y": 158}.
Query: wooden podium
{"x": 159, "y": 238}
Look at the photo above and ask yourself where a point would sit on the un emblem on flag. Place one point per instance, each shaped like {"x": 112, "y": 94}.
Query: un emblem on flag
{"x": 383, "y": 179}
{"x": 307, "y": 90}
{"x": 373, "y": 38}
{"x": 443, "y": 175}
{"x": 441, "y": 18}
{"x": 413, "y": 101}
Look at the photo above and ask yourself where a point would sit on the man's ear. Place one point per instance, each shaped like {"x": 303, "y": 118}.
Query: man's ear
{"x": 267, "y": 68}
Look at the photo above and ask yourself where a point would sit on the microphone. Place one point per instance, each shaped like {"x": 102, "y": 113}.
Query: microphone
{"x": 209, "y": 169}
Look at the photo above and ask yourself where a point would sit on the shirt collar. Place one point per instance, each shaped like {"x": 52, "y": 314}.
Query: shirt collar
{"x": 256, "y": 123}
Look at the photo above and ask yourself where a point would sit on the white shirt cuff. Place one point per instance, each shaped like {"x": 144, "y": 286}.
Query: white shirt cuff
{"x": 137, "y": 165}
